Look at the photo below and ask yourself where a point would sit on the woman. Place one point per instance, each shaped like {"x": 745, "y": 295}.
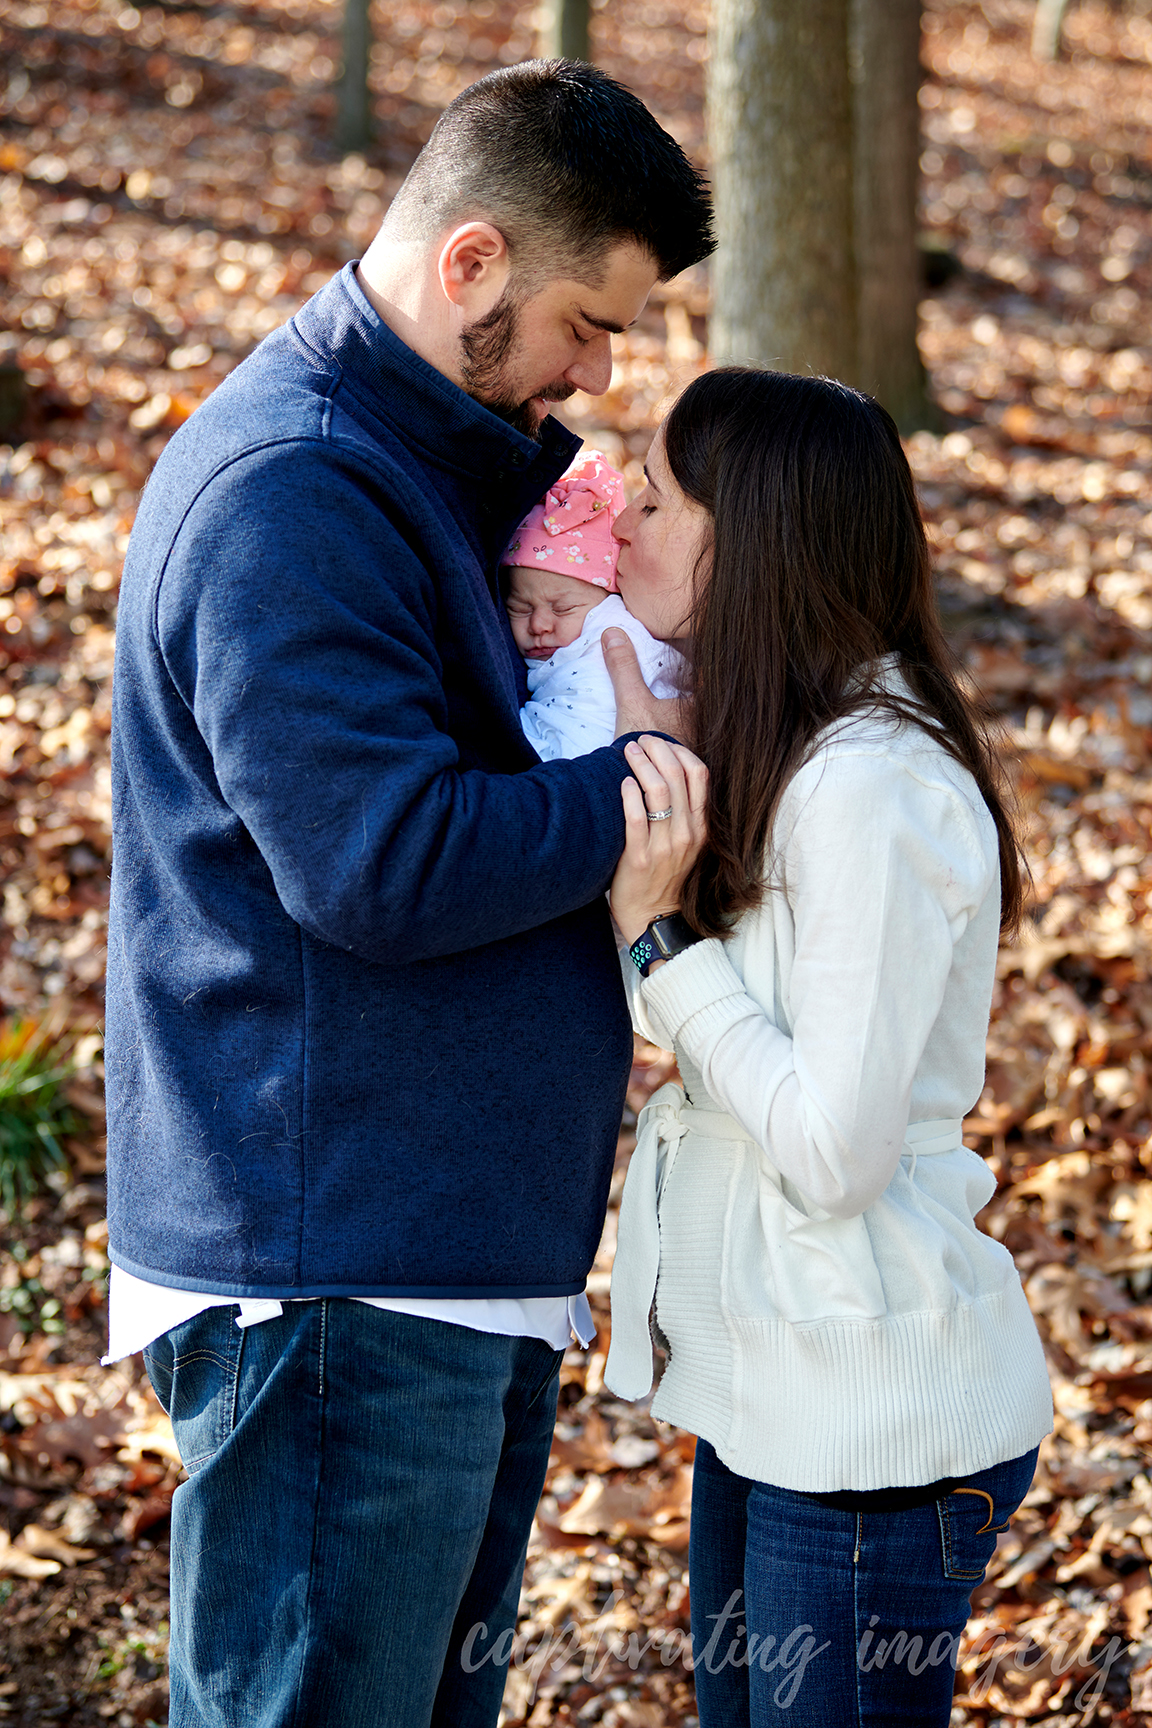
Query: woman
{"x": 857, "y": 1359}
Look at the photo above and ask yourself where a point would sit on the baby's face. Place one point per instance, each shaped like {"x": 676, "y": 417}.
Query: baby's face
{"x": 547, "y": 609}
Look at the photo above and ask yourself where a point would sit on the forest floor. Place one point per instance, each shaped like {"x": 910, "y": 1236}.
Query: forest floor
{"x": 168, "y": 195}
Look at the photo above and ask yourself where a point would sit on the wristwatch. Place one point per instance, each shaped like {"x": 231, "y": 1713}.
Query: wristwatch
{"x": 664, "y": 938}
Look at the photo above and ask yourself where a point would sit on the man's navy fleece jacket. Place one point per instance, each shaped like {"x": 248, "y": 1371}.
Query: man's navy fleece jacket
{"x": 365, "y": 1032}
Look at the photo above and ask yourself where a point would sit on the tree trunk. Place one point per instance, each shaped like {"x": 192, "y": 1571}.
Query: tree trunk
{"x": 780, "y": 122}
{"x": 885, "y": 66}
{"x": 564, "y": 35}
{"x": 1046, "y": 28}
{"x": 13, "y": 397}
{"x": 354, "y": 101}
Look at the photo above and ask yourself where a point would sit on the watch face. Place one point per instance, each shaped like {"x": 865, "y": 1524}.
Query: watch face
{"x": 672, "y": 935}
{"x": 665, "y": 932}
{"x": 663, "y": 940}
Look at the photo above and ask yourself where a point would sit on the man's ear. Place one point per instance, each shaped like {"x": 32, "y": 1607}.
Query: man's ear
{"x": 473, "y": 268}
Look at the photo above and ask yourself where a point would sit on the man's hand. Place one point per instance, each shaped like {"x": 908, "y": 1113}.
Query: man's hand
{"x": 637, "y": 710}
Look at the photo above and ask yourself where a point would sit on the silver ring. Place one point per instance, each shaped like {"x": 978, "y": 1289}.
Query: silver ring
{"x": 659, "y": 815}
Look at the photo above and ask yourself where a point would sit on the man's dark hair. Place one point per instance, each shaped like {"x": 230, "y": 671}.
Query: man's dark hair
{"x": 566, "y": 163}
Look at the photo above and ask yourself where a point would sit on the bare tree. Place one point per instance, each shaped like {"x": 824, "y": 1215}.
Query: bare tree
{"x": 814, "y": 128}
{"x": 780, "y": 123}
{"x": 884, "y": 56}
{"x": 1047, "y": 25}
{"x": 353, "y": 99}
{"x": 13, "y": 397}
{"x": 564, "y": 33}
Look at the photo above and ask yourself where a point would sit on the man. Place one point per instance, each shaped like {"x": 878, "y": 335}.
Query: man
{"x": 366, "y": 1042}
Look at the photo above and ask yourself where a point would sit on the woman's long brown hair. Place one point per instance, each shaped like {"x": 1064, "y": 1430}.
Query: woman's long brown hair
{"x": 817, "y": 567}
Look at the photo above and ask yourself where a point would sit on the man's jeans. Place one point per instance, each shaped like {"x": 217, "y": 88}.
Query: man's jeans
{"x": 805, "y": 1616}
{"x": 360, "y": 1490}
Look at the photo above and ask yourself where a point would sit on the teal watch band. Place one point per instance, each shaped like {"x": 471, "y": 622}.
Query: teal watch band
{"x": 664, "y": 938}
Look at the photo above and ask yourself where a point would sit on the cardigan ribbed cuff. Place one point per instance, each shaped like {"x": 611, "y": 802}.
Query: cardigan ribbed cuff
{"x": 700, "y": 981}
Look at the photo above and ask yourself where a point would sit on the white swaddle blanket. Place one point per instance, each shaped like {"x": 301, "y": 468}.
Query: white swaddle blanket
{"x": 571, "y": 708}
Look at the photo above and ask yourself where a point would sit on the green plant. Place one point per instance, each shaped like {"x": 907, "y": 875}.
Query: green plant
{"x": 34, "y": 1113}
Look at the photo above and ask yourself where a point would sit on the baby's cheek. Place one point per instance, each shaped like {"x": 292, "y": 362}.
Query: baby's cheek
{"x": 589, "y": 617}
{"x": 571, "y": 625}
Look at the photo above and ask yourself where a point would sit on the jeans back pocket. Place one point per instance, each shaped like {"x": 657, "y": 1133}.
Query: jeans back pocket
{"x": 974, "y": 1515}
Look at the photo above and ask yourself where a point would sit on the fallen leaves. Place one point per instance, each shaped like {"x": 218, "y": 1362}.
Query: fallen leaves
{"x": 80, "y": 1416}
{"x": 167, "y": 197}
{"x": 609, "y": 1508}
{"x": 47, "y": 1545}
{"x": 18, "y": 1560}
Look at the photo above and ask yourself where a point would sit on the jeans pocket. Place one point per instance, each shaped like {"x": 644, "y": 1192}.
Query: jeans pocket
{"x": 194, "y": 1370}
{"x": 158, "y": 1362}
{"x": 974, "y": 1515}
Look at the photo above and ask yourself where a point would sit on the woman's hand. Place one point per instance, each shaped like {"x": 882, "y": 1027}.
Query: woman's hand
{"x": 657, "y": 854}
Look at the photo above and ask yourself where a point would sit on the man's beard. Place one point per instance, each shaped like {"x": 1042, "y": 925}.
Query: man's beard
{"x": 485, "y": 348}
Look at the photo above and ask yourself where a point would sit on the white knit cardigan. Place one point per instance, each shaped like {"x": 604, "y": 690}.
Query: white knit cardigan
{"x": 834, "y": 1318}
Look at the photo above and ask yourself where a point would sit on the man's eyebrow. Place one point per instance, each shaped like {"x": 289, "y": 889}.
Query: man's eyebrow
{"x": 602, "y": 323}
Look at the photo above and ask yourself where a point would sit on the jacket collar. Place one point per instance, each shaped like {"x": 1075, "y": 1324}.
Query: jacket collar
{"x": 448, "y": 428}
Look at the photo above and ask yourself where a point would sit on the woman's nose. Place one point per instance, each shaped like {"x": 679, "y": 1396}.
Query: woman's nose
{"x": 622, "y": 527}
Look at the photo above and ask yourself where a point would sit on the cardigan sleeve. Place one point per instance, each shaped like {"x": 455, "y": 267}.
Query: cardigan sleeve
{"x": 645, "y": 1019}
{"x": 882, "y": 870}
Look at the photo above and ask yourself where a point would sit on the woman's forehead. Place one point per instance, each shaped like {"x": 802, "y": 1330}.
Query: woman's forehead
{"x": 656, "y": 463}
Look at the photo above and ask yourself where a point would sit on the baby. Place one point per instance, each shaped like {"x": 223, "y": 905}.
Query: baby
{"x": 562, "y": 594}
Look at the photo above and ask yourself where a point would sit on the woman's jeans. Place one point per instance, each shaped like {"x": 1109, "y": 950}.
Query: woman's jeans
{"x": 348, "y": 1549}
{"x": 809, "y": 1616}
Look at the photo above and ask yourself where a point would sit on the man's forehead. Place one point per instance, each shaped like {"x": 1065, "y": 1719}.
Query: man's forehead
{"x": 618, "y": 295}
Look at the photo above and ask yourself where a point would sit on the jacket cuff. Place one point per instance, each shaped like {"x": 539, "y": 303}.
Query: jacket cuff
{"x": 701, "y": 980}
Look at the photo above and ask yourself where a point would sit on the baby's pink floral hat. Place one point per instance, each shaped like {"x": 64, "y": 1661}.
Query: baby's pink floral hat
{"x": 570, "y": 530}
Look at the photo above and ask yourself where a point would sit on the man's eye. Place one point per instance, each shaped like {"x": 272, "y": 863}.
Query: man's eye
{"x": 583, "y": 340}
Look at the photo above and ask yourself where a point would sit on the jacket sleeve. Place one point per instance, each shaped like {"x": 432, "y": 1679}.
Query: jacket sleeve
{"x": 312, "y": 666}
{"x": 882, "y": 873}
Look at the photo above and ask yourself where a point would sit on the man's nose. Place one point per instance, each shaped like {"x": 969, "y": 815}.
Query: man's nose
{"x": 592, "y": 370}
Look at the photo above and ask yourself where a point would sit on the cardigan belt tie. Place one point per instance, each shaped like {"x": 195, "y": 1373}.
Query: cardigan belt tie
{"x": 660, "y": 1127}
